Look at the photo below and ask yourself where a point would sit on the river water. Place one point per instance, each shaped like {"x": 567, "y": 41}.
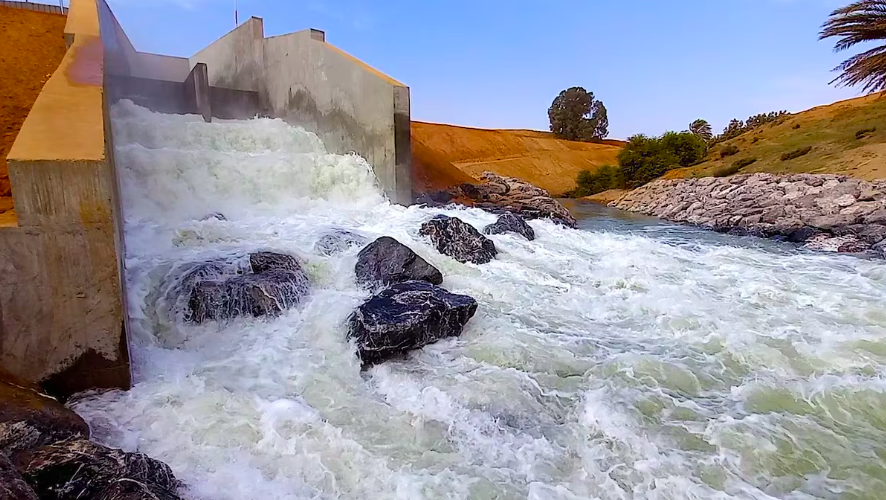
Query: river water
{"x": 629, "y": 359}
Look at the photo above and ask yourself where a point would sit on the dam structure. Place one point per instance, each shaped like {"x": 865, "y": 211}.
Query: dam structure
{"x": 63, "y": 306}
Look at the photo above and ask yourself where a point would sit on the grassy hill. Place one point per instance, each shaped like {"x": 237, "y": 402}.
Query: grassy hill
{"x": 829, "y": 130}
{"x": 446, "y": 153}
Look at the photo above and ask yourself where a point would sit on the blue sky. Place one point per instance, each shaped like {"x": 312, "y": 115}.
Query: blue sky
{"x": 655, "y": 64}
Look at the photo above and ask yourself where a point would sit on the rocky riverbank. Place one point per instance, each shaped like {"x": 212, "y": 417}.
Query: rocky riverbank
{"x": 824, "y": 212}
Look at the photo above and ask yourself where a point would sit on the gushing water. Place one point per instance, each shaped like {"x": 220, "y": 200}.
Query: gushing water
{"x": 626, "y": 360}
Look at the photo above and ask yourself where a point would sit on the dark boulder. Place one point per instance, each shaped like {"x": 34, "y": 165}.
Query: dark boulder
{"x": 271, "y": 261}
{"x": 29, "y": 419}
{"x": 407, "y": 316}
{"x": 459, "y": 240}
{"x": 338, "y": 241}
{"x": 80, "y": 469}
{"x": 511, "y": 223}
{"x": 259, "y": 294}
{"x": 12, "y": 486}
{"x": 386, "y": 261}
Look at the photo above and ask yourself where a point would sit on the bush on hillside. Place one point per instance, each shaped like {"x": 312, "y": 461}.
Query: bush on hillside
{"x": 743, "y": 162}
{"x": 729, "y": 150}
{"x": 588, "y": 183}
{"x": 686, "y": 146}
{"x": 795, "y": 126}
{"x": 726, "y": 170}
{"x": 576, "y": 115}
{"x": 754, "y": 140}
{"x": 737, "y": 127}
{"x": 790, "y": 155}
{"x": 865, "y": 131}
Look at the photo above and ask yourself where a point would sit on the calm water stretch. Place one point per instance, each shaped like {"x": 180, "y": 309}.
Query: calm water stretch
{"x": 629, "y": 359}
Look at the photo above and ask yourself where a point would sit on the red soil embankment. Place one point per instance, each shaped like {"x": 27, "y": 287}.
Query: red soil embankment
{"x": 32, "y": 44}
{"x": 440, "y": 152}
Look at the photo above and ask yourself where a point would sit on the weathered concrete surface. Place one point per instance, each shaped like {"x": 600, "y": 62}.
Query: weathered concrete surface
{"x": 306, "y": 81}
{"x": 60, "y": 293}
{"x": 828, "y": 212}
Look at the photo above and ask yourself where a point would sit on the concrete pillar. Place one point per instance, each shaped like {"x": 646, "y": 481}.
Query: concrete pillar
{"x": 197, "y": 91}
{"x": 402, "y": 147}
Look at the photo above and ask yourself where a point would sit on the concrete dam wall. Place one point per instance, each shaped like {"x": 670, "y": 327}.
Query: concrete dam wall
{"x": 62, "y": 300}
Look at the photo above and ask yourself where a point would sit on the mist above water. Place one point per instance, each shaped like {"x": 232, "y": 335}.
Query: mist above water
{"x": 626, "y": 360}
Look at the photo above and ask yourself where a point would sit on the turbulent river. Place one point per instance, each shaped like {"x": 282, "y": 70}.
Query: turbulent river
{"x": 629, "y": 359}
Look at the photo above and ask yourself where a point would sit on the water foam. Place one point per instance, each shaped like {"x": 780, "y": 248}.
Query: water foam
{"x": 610, "y": 364}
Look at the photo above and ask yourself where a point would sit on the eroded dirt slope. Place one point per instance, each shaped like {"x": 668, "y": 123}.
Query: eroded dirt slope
{"x": 32, "y": 45}
{"x": 536, "y": 157}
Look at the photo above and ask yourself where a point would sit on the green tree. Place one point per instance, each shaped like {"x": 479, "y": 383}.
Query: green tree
{"x": 686, "y": 147}
{"x": 643, "y": 159}
{"x": 577, "y": 116}
{"x": 702, "y": 129}
{"x": 860, "y": 22}
{"x": 606, "y": 177}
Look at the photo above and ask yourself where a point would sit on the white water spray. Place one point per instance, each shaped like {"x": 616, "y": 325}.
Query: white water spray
{"x": 606, "y": 364}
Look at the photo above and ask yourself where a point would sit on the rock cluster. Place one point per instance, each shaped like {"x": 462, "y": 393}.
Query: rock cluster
{"x": 45, "y": 453}
{"x": 826, "y": 212}
{"x": 499, "y": 194}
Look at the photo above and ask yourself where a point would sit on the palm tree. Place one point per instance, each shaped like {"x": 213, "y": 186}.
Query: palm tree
{"x": 702, "y": 129}
{"x": 858, "y": 22}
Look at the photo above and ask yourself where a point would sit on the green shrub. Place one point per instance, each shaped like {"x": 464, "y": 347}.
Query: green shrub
{"x": 728, "y": 151}
{"x": 726, "y": 170}
{"x": 743, "y": 162}
{"x": 644, "y": 158}
{"x": 865, "y": 131}
{"x": 588, "y": 183}
{"x": 790, "y": 155}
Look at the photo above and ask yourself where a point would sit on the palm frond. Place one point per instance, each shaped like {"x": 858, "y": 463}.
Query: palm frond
{"x": 859, "y": 22}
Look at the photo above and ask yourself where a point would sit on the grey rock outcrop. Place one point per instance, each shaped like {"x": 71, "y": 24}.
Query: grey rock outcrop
{"x": 499, "y": 194}
{"x": 511, "y": 223}
{"x": 407, "y": 316}
{"x": 802, "y": 208}
{"x": 386, "y": 261}
{"x": 453, "y": 237}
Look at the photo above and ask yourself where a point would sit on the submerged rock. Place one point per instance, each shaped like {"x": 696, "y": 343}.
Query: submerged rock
{"x": 29, "y": 419}
{"x": 386, "y": 261}
{"x": 270, "y": 261}
{"x": 511, "y": 223}
{"x": 214, "y": 215}
{"x": 338, "y": 241}
{"x": 79, "y": 469}
{"x": 453, "y": 237}
{"x": 407, "y": 316}
{"x": 277, "y": 282}
{"x": 257, "y": 295}
{"x": 12, "y": 486}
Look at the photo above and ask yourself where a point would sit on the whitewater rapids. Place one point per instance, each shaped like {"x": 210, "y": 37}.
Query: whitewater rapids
{"x": 626, "y": 360}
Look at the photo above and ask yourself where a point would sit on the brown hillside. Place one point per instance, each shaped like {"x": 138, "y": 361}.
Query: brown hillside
{"x": 32, "y": 45}
{"x": 536, "y": 157}
{"x": 846, "y": 137}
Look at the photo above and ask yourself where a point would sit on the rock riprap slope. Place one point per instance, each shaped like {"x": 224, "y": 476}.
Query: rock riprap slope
{"x": 825, "y": 212}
